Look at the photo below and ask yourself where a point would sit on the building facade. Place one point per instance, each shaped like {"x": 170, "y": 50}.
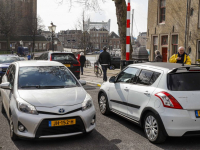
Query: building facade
{"x": 142, "y": 39}
{"x": 114, "y": 41}
{"x": 171, "y": 24}
{"x": 98, "y": 25}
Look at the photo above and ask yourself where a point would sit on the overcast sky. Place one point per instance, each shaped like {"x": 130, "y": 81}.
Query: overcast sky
{"x": 65, "y": 18}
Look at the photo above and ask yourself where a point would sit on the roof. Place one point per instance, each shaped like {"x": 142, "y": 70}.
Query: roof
{"x": 112, "y": 34}
{"x": 60, "y": 52}
{"x": 164, "y": 65}
{"x": 38, "y": 63}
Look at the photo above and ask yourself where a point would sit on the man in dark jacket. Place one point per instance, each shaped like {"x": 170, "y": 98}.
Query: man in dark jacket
{"x": 158, "y": 57}
{"x": 82, "y": 61}
{"x": 105, "y": 61}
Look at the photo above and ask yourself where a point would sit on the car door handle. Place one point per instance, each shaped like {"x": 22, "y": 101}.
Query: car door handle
{"x": 146, "y": 93}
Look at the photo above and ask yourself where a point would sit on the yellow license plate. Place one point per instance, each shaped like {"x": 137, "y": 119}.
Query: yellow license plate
{"x": 197, "y": 112}
{"x": 66, "y": 122}
{"x": 67, "y": 65}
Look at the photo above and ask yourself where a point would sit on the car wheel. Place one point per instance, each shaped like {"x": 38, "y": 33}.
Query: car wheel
{"x": 153, "y": 129}
{"x": 2, "y": 108}
{"x": 13, "y": 136}
{"x": 112, "y": 67}
{"x": 103, "y": 104}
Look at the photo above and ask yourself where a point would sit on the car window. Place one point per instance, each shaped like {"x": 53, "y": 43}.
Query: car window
{"x": 145, "y": 77}
{"x": 11, "y": 75}
{"x": 6, "y": 59}
{"x": 188, "y": 81}
{"x": 154, "y": 77}
{"x": 46, "y": 77}
{"x": 62, "y": 56}
{"x": 128, "y": 75}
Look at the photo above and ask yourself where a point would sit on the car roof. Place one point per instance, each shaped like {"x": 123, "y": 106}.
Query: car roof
{"x": 38, "y": 63}
{"x": 163, "y": 65}
{"x": 8, "y": 55}
{"x": 60, "y": 52}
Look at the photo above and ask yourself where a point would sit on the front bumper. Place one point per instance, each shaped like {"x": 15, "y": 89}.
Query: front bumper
{"x": 37, "y": 125}
{"x": 180, "y": 122}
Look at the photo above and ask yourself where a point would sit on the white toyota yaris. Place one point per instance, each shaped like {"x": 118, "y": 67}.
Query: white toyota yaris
{"x": 163, "y": 98}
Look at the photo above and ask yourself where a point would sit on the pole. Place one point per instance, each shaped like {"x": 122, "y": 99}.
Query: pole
{"x": 186, "y": 24}
{"x": 132, "y": 26}
{"x": 52, "y": 42}
{"x": 128, "y": 31}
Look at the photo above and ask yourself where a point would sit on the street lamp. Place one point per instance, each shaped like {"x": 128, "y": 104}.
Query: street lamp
{"x": 52, "y": 29}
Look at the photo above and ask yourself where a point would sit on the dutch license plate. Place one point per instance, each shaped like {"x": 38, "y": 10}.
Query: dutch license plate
{"x": 66, "y": 122}
{"x": 197, "y": 112}
{"x": 67, "y": 65}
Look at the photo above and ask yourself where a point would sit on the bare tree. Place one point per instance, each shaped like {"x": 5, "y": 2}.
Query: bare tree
{"x": 8, "y": 19}
{"x": 33, "y": 26}
{"x": 121, "y": 13}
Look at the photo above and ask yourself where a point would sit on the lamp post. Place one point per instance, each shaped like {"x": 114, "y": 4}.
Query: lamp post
{"x": 52, "y": 29}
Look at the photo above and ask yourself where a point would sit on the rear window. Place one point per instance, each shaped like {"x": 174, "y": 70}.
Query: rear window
{"x": 184, "y": 81}
{"x": 63, "y": 56}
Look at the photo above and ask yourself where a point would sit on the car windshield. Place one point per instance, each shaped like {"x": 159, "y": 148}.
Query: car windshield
{"x": 62, "y": 56}
{"x": 184, "y": 81}
{"x": 7, "y": 59}
{"x": 46, "y": 77}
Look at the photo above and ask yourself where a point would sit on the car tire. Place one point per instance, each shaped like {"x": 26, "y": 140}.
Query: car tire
{"x": 2, "y": 108}
{"x": 153, "y": 128}
{"x": 112, "y": 67}
{"x": 103, "y": 104}
{"x": 13, "y": 136}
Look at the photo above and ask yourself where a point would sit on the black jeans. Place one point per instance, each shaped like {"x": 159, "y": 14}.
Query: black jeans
{"x": 81, "y": 69}
{"x": 104, "y": 68}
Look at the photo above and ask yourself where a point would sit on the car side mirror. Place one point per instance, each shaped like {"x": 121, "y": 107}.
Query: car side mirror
{"x": 112, "y": 79}
{"x": 5, "y": 86}
{"x": 82, "y": 82}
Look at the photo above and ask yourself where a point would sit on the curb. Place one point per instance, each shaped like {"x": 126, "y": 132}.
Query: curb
{"x": 93, "y": 83}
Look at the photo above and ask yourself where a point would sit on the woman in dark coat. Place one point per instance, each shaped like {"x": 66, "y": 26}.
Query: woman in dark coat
{"x": 82, "y": 61}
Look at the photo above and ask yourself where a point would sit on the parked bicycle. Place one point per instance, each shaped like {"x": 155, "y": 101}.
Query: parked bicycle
{"x": 97, "y": 70}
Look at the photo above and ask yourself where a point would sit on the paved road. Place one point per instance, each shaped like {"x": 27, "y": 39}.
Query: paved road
{"x": 112, "y": 133}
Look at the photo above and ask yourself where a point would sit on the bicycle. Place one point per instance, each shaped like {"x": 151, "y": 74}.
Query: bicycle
{"x": 97, "y": 70}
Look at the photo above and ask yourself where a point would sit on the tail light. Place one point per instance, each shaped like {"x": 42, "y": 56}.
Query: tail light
{"x": 168, "y": 100}
{"x": 50, "y": 58}
{"x": 79, "y": 64}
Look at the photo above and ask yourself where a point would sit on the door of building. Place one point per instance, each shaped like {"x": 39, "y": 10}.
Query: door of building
{"x": 164, "y": 54}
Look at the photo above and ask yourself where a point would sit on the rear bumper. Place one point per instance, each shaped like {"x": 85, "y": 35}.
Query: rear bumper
{"x": 180, "y": 122}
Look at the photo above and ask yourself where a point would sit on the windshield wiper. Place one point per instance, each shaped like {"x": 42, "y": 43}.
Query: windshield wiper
{"x": 34, "y": 86}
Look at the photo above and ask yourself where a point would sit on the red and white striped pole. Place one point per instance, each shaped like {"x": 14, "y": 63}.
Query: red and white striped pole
{"x": 128, "y": 30}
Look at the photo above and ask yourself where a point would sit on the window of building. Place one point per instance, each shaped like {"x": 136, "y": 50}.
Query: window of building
{"x": 198, "y": 49}
{"x": 174, "y": 44}
{"x": 155, "y": 45}
{"x": 162, "y": 10}
{"x": 164, "y": 40}
{"x": 40, "y": 46}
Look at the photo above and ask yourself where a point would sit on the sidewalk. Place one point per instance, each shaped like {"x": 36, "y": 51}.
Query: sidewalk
{"x": 90, "y": 77}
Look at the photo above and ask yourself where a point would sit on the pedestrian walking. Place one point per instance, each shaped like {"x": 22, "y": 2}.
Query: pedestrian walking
{"x": 181, "y": 57}
{"x": 105, "y": 61}
{"x": 158, "y": 57}
{"x": 29, "y": 56}
{"x": 82, "y": 61}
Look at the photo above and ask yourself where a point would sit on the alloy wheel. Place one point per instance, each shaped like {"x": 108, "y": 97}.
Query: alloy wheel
{"x": 102, "y": 104}
{"x": 151, "y": 128}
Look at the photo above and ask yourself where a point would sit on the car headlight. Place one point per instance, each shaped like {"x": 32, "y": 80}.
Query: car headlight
{"x": 87, "y": 103}
{"x": 27, "y": 108}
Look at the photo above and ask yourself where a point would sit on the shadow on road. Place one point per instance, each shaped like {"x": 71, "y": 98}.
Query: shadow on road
{"x": 92, "y": 141}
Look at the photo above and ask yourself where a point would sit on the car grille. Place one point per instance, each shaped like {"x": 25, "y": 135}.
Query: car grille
{"x": 4, "y": 69}
{"x": 45, "y": 130}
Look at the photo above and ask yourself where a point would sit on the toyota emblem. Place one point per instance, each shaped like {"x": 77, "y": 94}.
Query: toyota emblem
{"x": 61, "y": 110}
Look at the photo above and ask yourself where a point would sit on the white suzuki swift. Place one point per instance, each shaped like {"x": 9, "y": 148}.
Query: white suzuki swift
{"x": 163, "y": 98}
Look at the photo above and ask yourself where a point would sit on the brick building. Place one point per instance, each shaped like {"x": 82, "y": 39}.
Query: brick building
{"x": 167, "y": 28}
{"x": 114, "y": 41}
{"x": 99, "y": 38}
